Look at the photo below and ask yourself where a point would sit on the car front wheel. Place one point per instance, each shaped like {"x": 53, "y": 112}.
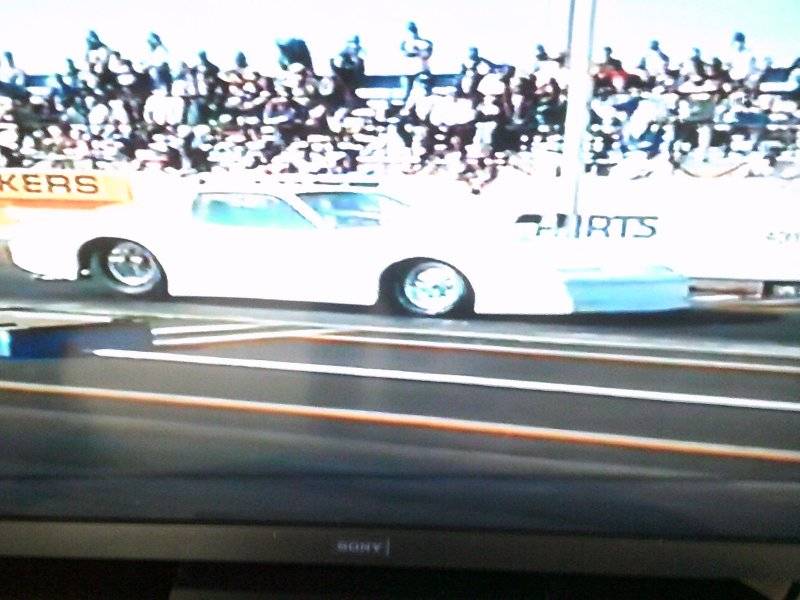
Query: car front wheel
{"x": 129, "y": 268}
{"x": 431, "y": 288}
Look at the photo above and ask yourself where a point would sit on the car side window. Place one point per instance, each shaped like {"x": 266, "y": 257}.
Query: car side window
{"x": 351, "y": 209}
{"x": 340, "y": 201}
{"x": 529, "y": 219}
{"x": 248, "y": 210}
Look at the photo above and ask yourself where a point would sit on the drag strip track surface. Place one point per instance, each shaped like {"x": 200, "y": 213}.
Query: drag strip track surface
{"x": 682, "y": 426}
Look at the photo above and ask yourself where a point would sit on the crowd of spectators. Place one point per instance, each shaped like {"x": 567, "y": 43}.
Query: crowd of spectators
{"x": 108, "y": 110}
{"x": 722, "y": 113}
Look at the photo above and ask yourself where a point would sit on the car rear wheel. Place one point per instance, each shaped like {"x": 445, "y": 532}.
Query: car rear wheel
{"x": 129, "y": 268}
{"x": 431, "y": 288}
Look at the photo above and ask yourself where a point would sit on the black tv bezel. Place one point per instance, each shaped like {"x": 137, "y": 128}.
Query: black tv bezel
{"x": 431, "y": 549}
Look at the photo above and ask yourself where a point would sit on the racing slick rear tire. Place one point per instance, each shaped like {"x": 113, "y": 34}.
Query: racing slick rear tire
{"x": 128, "y": 268}
{"x": 430, "y": 288}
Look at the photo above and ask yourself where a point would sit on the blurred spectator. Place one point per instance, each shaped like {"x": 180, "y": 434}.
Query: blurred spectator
{"x": 741, "y": 61}
{"x": 9, "y": 72}
{"x": 417, "y": 51}
{"x": 299, "y": 84}
{"x": 294, "y": 50}
{"x": 76, "y": 111}
{"x": 241, "y": 73}
{"x": 473, "y": 69}
{"x": 185, "y": 83}
{"x": 718, "y": 74}
{"x": 609, "y": 62}
{"x": 348, "y": 65}
{"x": 198, "y": 87}
{"x": 116, "y": 64}
{"x": 72, "y": 76}
{"x": 97, "y": 52}
{"x": 694, "y": 67}
{"x": 157, "y": 63}
{"x": 490, "y": 116}
{"x": 284, "y": 116}
{"x": 609, "y": 73}
{"x": 523, "y": 99}
{"x": 99, "y": 113}
{"x": 421, "y": 87}
{"x": 61, "y": 91}
{"x": 247, "y": 93}
{"x": 163, "y": 109}
{"x": 207, "y": 74}
{"x": 655, "y": 61}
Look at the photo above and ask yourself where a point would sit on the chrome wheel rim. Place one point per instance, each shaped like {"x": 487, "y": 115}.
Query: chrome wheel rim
{"x": 433, "y": 288}
{"x": 132, "y": 265}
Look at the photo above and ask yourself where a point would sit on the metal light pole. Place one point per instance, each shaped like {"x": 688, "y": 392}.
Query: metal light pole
{"x": 580, "y": 40}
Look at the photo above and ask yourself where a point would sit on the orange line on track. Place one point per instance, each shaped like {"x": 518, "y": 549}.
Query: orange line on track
{"x": 268, "y": 338}
{"x": 449, "y": 425}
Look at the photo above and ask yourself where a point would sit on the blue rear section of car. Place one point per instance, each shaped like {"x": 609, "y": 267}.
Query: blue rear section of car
{"x": 646, "y": 292}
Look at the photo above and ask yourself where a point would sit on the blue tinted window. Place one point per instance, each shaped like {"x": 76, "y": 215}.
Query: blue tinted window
{"x": 249, "y": 210}
{"x": 352, "y": 209}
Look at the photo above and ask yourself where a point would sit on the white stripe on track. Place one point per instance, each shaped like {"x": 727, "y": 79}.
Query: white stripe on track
{"x": 546, "y": 352}
{"x": 56, "y": 316}
{"x": 720, "y": 347}
{"x": 443, "y": 378}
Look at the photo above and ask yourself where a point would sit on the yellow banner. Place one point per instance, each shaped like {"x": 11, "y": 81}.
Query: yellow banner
{"x": 5, "y": 218}
{"x": 61, "y": 189}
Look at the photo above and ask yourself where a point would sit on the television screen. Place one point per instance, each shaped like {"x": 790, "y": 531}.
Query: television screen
{"x": 522, "y": 267}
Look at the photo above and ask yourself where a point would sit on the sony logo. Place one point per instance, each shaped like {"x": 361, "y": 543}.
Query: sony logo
{"x": 363, "y": 547}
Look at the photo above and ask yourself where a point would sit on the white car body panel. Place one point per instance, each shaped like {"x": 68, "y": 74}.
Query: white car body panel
{"x": 324, "y": 264}
{"x": 698, "y": 242}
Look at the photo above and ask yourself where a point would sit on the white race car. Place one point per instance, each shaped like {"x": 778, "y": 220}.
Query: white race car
{"x": 335, "y": 244}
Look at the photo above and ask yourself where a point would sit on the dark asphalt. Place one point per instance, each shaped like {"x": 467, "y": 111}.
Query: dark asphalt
{"x": 714, "y": 424}
{"x": 97, "y": 457}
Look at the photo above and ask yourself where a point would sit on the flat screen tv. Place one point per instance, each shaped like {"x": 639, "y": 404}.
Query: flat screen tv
{"x": 501, "y": 285}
